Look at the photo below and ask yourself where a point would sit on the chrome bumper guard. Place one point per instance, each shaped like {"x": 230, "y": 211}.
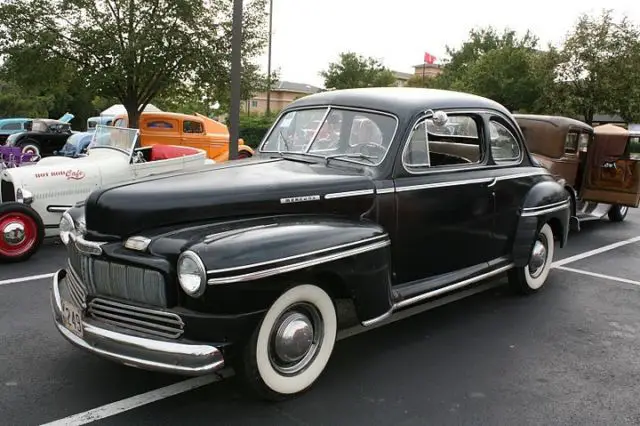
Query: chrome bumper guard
{"x": 153, "y": 354}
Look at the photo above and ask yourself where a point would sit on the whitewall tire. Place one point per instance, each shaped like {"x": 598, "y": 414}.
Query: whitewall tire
{"x": 291, "y": 347}
{"x": 532, "y": 277}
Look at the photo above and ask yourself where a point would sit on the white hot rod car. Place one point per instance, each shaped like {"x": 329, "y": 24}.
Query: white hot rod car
{"x": 34, "y": 197}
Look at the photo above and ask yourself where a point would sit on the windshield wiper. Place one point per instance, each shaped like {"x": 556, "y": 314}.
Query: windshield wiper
{"x": 352, "y": 155}
{"x": 286, "y": 143}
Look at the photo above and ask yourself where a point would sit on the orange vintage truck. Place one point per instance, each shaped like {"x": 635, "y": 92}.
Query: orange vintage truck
{"x": 197, "y": 131}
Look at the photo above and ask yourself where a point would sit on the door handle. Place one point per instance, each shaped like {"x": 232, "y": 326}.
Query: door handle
{"x": 492, "y": 183}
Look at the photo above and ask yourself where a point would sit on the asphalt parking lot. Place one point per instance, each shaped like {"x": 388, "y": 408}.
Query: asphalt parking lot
{"x": 566, "y": 356}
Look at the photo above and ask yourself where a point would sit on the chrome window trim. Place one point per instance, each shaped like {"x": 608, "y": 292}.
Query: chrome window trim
{"x": 330, "y": 107}
{"x": 300, "y": 265}
{"x": 444, "y": 169}
{"x": 297, "y": 256}
{"x": 510, "y": 162}
{"x": 345, "y": 194}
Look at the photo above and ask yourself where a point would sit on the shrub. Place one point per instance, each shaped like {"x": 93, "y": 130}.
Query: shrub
{"x": 254, "y": 127}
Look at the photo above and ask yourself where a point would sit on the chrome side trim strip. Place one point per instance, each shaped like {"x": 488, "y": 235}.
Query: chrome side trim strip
{"x": 300, "y": 265}
{"x": 545, "y": 206}
{"x": 545, "y": 211}
{"x": 348, "y": 194}
{"x": 378, "y": 319}
{"x": 452, "y": 287}
{"x": 442, "y": 184}
{"x": 297, "y": 256}
{"x": 385, "y": 190}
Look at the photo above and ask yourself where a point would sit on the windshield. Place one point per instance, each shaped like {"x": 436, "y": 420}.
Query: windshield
{"x": 119, "y": 138}
{"x": 351, "y": 135}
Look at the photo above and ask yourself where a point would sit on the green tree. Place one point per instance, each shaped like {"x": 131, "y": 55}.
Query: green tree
{"x": 597, "y": 73}
{"x": 132, "y": 50}
{"x": 353, "y": 70}
{"x": 14, "y": 102}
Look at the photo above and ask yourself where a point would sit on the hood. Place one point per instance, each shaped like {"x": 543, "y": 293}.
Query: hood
{"x": 256, "y": 187}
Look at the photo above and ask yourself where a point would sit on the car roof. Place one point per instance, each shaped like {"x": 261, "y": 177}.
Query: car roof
{"x": 555, "y": 120}
{"x": 12, "y": 120}
{"x": 161, "y": 114}
{"x": 400, "y": 101}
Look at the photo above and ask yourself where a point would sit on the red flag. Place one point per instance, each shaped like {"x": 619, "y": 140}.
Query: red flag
{"x": 428, "y": 58}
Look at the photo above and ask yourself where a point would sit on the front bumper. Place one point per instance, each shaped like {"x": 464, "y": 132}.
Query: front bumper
{"x": 155, "y": 354}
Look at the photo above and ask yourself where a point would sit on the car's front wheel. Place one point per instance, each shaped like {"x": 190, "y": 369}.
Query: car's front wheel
{"x": 30, "y": 147}
{"x": 21, "y": 232}
{"x": 293, "y": 343}
{"x": 531, "y": 277}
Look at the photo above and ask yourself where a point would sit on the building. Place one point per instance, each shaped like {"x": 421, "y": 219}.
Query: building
{"x": 427, "y": 70}
{"x": 282, "y": 94}
{"x": 402, "y": 78}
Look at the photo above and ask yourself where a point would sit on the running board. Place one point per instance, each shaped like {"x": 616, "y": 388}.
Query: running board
{"x": 435, "y": 293}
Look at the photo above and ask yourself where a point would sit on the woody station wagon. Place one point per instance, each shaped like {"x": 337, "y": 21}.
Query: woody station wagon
{"x": 396, "y": 197}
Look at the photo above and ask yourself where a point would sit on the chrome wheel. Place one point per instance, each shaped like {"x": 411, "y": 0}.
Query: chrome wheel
{"x": 295, "y": 339}
{"x": 14, "y": 233}
{"x": 623, "y": 210}
{"x": 538, "y": 256}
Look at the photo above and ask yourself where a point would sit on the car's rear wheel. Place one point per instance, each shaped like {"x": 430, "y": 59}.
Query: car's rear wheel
{"x": 21, "y": 232}
{"x": 30, "y": 147}
{"x": 293, "y": 343}
{"x": 531, "y": 277}
{"x": 618, "y": 213}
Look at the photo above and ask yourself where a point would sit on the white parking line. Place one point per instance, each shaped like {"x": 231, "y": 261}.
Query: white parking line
{"x": 29, "y": 278}
{"x": 595, "y": 274}
{"x": 135, "y": 401}
{"x": 594, "y": 252}
{"x": 194, "y": 383}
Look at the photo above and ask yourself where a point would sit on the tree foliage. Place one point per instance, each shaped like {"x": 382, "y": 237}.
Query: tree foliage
{"x": 353, "y": 70}
{"x": 132, "y": 50}
{"x": 600, "y": 68}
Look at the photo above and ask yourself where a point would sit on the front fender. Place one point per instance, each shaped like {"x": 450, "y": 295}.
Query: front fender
{"x": 546, "y": 202}
{"x": 349, "y": 258}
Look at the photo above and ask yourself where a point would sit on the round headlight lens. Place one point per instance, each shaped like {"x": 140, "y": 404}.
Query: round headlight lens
{"x": 192, "y": 274}
{"x": 66, "y": 227}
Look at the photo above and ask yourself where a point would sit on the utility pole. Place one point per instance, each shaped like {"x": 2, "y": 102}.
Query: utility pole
{"x": 269, "y": 58}
{"x": 236, "y": 79}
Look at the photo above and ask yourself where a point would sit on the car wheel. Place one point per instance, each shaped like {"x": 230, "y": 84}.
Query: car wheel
{"x": 531, "y": 277}
{"x": 618, "y": 213}
{"x": 30, "y": 147}
{"x": 21, "y": 232}
{"x": 292, "y": 345}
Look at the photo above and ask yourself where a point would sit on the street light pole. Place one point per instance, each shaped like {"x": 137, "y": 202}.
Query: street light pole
{"x": 236, "y": 79}
{"x": 269, "y": 58}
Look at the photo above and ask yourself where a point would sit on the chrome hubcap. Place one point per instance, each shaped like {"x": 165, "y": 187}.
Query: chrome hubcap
{"x": 13, "y": 234}
{"x": 538, "y": 258}
{"x": 623, "y": 210}
{"x": 295, "y": 339}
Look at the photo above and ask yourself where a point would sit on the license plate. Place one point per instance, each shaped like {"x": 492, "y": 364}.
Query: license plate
{"x": 72, "y": 318}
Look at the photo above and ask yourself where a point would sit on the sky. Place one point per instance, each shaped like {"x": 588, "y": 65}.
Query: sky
{"x": 309, "y": 34}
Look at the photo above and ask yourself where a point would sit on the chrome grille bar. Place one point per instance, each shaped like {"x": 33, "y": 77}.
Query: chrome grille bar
{"x": 150, "y": 321}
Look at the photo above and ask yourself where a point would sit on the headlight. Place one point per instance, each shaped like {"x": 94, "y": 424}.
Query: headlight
{"x": 192, "y": 274}
{"x": 24, "y": 196}
{"x": 66, "y": 227}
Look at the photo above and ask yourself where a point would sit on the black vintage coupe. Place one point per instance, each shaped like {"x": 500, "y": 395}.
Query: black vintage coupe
{"x": 378, "y": 198}
{"x": 42, "y": 137}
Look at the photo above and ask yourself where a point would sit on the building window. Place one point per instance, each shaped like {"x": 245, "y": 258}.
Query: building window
{"x": 254, "y": 104}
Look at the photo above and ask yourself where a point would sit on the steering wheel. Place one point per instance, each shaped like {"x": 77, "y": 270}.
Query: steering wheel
{"x": 371, "y": 149}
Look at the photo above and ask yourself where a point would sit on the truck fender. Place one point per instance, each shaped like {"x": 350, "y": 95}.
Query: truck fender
{"x": 546, "y": 202}
{"x": 350, "y": 257}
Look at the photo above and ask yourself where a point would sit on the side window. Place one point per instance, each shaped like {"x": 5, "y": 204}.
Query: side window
{"x": 504, "y": 145}
{"x": 455, "y": 142}
{"x": 192, "y": 127}
{"x": 12, "y": 126}
{"x": 159, "y": 124}
{"x": 571, "y": 143}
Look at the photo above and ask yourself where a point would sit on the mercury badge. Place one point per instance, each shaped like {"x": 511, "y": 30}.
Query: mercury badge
{"x": 301, "y": 199}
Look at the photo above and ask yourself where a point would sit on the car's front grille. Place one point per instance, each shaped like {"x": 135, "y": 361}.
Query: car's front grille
{"x": 77, "y": 290}
{"x": 150, "y": 321}
{"x": 104, "y": 278}
{"x": 7, "y": 191}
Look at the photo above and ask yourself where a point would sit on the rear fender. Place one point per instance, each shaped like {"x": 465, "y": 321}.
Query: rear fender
{"x": 546, "y": 202}
{"x": 350, "y": 259}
